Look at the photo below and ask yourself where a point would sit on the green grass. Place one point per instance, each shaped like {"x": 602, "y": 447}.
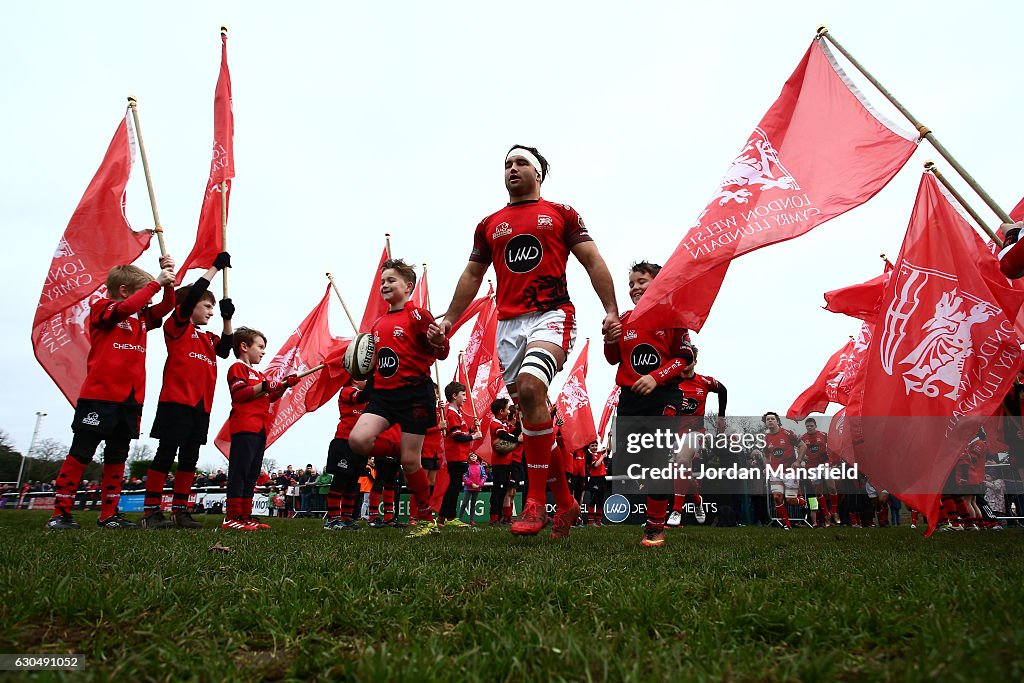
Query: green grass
{"x": 298, "y": 603}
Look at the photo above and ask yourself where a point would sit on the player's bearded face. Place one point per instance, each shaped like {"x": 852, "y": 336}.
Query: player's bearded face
{"x": 520, "y": 176}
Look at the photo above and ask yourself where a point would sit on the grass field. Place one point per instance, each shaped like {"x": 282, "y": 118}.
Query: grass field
{"x": 719, "y": 604}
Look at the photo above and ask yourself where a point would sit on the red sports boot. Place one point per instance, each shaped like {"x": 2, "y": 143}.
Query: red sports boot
{"x": 532, "y": 519}
{"x": 563, "y": 521}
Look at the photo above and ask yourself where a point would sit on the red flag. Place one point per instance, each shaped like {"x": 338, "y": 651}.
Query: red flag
{"x": 210, "y": 235}
{"x": 573, "y": 405}
{"x": 329, "y": 381}
{"x": 610, "y": 404}
{"x": 473, "y": 309}
{"x": 420, "y": 296}
{"x": 861, "y": 301}
{"x": 308, "y": 346}
{"x": 482, "y": 344}
{"x": 97, "y": 238}
{"x": 836, "y": 378}
{"x": 375, "y": 304}
{"x": 944, "y": 352}
{"x": 818, "y": 152}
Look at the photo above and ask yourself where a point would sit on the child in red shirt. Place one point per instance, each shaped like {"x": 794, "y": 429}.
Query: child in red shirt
{"x": 251, "y": 396}
{"x": 109, "y": 407}
{"x": 182, "y": 421}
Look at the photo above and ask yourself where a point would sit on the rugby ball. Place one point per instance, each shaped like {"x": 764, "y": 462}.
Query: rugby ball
{"x": 361, "y": 357}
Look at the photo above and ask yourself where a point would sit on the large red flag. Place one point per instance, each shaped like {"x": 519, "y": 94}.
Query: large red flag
{"x": 818, "y": 152}
{"x": 210, "y": 236}
{"x": 573, "y": 405}
{"x": 420, "y": 295}
{"x": 331, "y": 379}
{"x": 836, "y": 379}
{"x": 97, "y": 238}
{"x": 375, "y": 304}
{"x": 862, "y": 301}
{"x": 610, "y": 404}
{"x": 473, "y": 309}
{"x": 308, "y": 346}
{"x": 482, "y": 344}
{"x": 944, "y": 354}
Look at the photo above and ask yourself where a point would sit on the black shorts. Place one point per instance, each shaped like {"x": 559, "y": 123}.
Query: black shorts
{"x": 430, "y": 463}
{"x": 516, "y": 475}
{"x": 413, "y": 408}
{"x": 343, "y": 461}
{"x": 180, "y": 424}
{"x": 664, "y": 400}
{"x": 108, "y": 419}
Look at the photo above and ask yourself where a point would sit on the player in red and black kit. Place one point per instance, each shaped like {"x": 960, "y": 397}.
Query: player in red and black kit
{"x": 817, "y": 454}
{"x": 502, "y": 430}
{"x": 528, "y": 242}
{"x": 695, "y": 390}
{"x": 651, "y": 363}
{"x": 783, "y": 447}
{"x": 183, "y": 414}
{"x": 109, "y": 406}
{"x": 457, "y": 442}
{"x": 251, "y": 396}
{"x": 433, "y": 451}
{"x": 402, "y": 392}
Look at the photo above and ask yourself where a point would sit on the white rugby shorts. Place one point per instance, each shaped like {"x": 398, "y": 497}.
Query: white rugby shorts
{"x": 557, "y": 327}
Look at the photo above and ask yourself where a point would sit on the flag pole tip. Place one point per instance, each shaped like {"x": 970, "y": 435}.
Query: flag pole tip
{"x": 224, "y": 30}
{"x": 131, "y": 99}
{"x": 822, "y": 30}
{"x": 929, "y": 165}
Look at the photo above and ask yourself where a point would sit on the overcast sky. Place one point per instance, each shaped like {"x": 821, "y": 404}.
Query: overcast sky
{"x": 356, "y": 120}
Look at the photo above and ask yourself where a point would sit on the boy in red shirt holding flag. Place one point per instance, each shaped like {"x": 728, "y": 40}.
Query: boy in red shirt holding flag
{"x": 109, "y": 407}
{"x": 182, "y": 421}
{"x": 251, "y": 396}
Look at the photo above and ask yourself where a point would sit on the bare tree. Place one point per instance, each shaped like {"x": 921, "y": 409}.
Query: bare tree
{"x": 269, "y": 464}
{"x": 141, "y": 451}
{"x": 50, "y": 449}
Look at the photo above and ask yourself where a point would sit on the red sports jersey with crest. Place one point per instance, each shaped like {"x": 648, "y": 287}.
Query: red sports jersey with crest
{"x": 350, "y": 407}
{"x": 404, "y": 355}
{"x": 190, "y": 372}
{"x": 528, "y": 243}
{"x": 116, "y": 367}
{"x": 817, "y": 448}
{"x": 695, "y": 397}
{"x": 663, "y": 354}
{"x": 598, "y": 470}
{"x": 455, "y": 451}
{"x": 501, "y": 430}
{"x": 780, "y": 447}
{"x": 247, "y": 416}
{"x": 432, "y": 439}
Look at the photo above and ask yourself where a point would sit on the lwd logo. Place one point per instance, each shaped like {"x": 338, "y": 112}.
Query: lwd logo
{"x": 616, "y": 508}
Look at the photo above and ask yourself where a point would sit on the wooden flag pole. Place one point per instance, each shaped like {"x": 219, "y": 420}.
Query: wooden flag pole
{"x": 342, "y": 300}
{"x": 318, "y": 368}
{"x": 437, "y": 372}
{"x": 224, "y": 211}
{"x": 923, "y": 130}
{"x": 929, "y": 166}
{"x": 158, "y": 229}
{"x": 387, "y": 243}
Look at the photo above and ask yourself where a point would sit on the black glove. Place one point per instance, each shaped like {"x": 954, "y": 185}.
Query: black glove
{"x": 222, "y": 261}
{"x": 227, "y": 309}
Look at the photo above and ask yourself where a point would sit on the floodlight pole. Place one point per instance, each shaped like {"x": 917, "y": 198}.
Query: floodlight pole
{"x": 31, "y": 447}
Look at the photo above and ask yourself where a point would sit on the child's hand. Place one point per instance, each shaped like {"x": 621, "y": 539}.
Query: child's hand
{"x": 165, "y": 277}
{"x": 166, "y": 262}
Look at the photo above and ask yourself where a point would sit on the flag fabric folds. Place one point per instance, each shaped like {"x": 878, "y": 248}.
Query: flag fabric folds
{"x": 943, "y": 355}
{"x": 97, "y": 238}
{"x": 573, "y": 405}
{"x": 210, "y": 235}
{"x": 375, "y": 304}
{"x": 819, "y": 151}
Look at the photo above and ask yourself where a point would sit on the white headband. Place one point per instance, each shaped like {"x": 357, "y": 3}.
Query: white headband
{"x": 529, "y": 156}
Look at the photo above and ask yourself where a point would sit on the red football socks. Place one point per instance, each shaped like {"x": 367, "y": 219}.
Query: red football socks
{"x": 537, "y": 442}
{"x": 110, "y": 487}
{"x": 67, "y": 485}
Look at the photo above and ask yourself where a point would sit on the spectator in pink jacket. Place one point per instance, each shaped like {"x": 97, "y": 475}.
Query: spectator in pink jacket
{"x": 473, "y": 482}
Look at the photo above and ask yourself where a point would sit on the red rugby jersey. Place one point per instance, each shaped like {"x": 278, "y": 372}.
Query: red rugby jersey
{"x": 349, "y": 409}
{"x": 404, "y": 355}
{"x": 779, "y": 448}
{"x": 663, "y": 354}
{"x": 116, "y": 367}
{"x": 190, "y": 372}
{"x": 597, "y": 470}
{"x": 817, "y": 448}
{"x": 695, "y": 397}
{"x": 528, "y": 243}
{"x": 505, "y": 428}
{"x": 455, "y": 451}
{"x": 247, "y": 416}
{"x": 432, "y": 439}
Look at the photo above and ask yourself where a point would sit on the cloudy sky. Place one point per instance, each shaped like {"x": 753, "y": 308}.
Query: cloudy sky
{"x": 352, "y": 121}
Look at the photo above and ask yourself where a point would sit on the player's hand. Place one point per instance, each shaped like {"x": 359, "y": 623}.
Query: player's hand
{"x": 166, "y": 261}
{"x": 222, "y": 261}
{"x": 272, "y": 385}
{"x": 165, "y": 277}
{"x": 227, "y": 309}
{"x": 644, "y": 386}
{"x": 292, "y": 380}
{"x": 611, "y": 328}
{"x": 438, "y": 331}
{"x": 477, "y": 434}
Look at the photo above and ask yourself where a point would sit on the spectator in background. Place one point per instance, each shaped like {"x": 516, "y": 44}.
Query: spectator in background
{"x": 220, "y": 479}
{"x": 323, "y": 486}
{"x": 307, "y": 479}
{"x": 473, "y": 483}
{"x": 263, "y": 479}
